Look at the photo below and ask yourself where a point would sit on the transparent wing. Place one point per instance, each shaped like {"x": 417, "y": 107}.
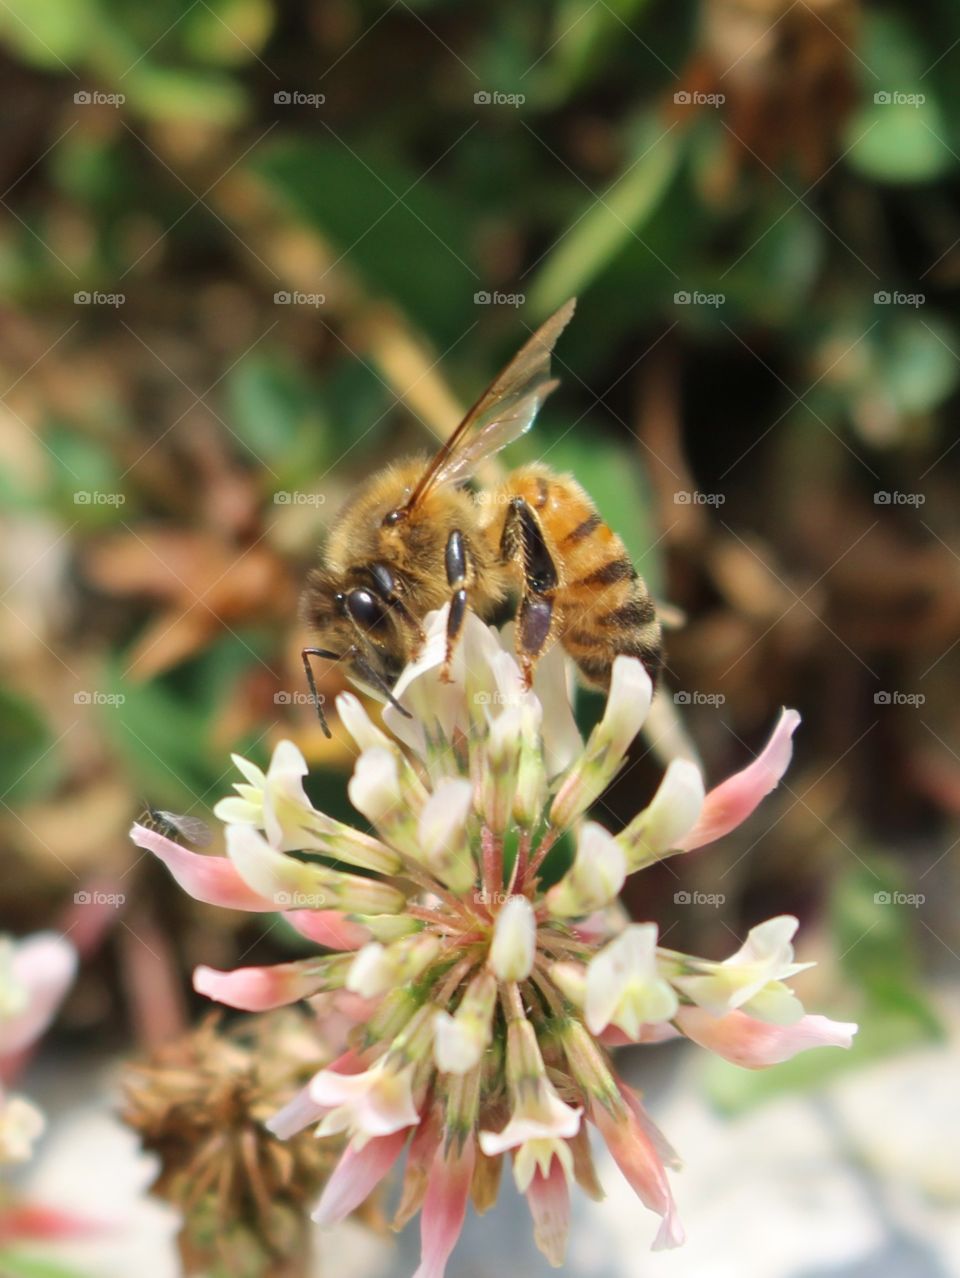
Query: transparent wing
{"x": 504, "y": 412}
{"x": 192, "y": 828}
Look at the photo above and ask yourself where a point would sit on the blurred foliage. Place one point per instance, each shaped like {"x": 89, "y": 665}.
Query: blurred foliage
{"x": 285, "y": 220}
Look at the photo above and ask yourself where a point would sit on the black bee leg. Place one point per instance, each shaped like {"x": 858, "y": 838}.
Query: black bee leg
{"x": 523, "y": 540}
{"x": 455, "y": 561}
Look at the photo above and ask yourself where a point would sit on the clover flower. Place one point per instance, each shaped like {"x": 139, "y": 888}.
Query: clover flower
{"x": 482, "y": 1003}
{"x": 35, "y": 974}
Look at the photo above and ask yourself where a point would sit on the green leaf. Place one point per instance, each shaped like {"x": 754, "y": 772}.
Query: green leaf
{"x": 274, "y": 411}
{"x": 229, "y": 32}
{"x": 17, "y": 1264}
{"x": 606, "y": 225}
{"x": 917, "y": 360}
{"x": 29, "y": 766}
{"x": 387, "y": 221}
{"x": 179, "y": 94}
{"x": 897, "y": 134}
{"x": 49, "y": 33}
{"x": 85, "y": 478}
{"x": 899, "y": 143}
{"x": 161, "y": 730}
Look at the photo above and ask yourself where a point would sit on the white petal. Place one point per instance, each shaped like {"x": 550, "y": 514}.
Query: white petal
{"x": 374, "y": 788}
{"x": 514, "y": 940}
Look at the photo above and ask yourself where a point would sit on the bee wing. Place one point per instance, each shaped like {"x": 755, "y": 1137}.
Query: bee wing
{"x": 193, "y": 829}
{"x": 504, "y": 412}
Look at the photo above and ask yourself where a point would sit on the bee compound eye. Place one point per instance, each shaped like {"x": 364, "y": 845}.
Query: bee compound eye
{"x": 366, "y": 610}
{"x": 383, "y": 579}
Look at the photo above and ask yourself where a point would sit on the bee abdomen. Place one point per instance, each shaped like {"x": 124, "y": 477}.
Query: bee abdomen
{"x": 602, "y": 605}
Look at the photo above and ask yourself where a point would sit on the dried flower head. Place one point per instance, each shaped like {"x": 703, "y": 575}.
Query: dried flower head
{"x": 484, "y": 1000}
{"x": 200, "y": 1105}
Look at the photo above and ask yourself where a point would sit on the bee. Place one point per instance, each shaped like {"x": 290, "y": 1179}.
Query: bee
{"x": 414, "y": 537}
{"x": 173, "y": 825}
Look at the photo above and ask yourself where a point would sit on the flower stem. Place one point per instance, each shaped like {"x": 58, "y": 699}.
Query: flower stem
{"x": 492, "y": 851}
{"x": 546, "y": 843}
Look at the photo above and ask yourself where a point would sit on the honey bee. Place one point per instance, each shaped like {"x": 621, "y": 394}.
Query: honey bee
{"x": 414, "y": 537}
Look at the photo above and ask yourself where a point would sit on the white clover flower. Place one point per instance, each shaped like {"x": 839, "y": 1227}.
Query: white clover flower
{"x": 624, "y": 986}
{"x": 753, "y": 978}
{"x": 35, "y": 974}
{"x": 486, "y": 996}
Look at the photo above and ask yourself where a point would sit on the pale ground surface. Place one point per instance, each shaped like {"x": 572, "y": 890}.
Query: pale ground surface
{"x": 862, "y": 1181}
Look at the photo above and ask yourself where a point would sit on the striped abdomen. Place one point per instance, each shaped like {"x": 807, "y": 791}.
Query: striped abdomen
{"x": 601, "y": 606}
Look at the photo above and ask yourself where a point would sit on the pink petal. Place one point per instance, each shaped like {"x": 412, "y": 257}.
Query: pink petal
{"x": 356, "y": 1176}
{"x": 331, "y": 928}
{"x": 731, "y": 802}
{"x": 211, "y": 879}
{"x": 755, "y": 1044}
{"x": 302, "y": 1110}
{"x": 660, "y": 1032}
{"x": 299, "y": 1112}
{"x": 416, "y": 1175}
{"x": 32, "y": 1222}
{"x": 44, "y": 965}
{"x": 444, "y": 1208}
{"x": 549, "y": 1200}
{"x": 665, "y": 1151}
{"x": 636, "y": 1155}
{"x": 260, "y": 989}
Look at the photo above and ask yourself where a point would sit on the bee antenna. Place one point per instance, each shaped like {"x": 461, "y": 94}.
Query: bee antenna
{"x": 378, "y": 681}
{"x": 305, "y": 655}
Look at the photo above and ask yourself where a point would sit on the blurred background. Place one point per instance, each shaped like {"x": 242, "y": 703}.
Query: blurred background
{"x": 250, "y": 250}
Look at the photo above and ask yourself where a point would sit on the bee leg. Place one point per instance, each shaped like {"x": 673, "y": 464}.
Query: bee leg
{"x": 522, "y": 539}
{"x": 455, "y": 561}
